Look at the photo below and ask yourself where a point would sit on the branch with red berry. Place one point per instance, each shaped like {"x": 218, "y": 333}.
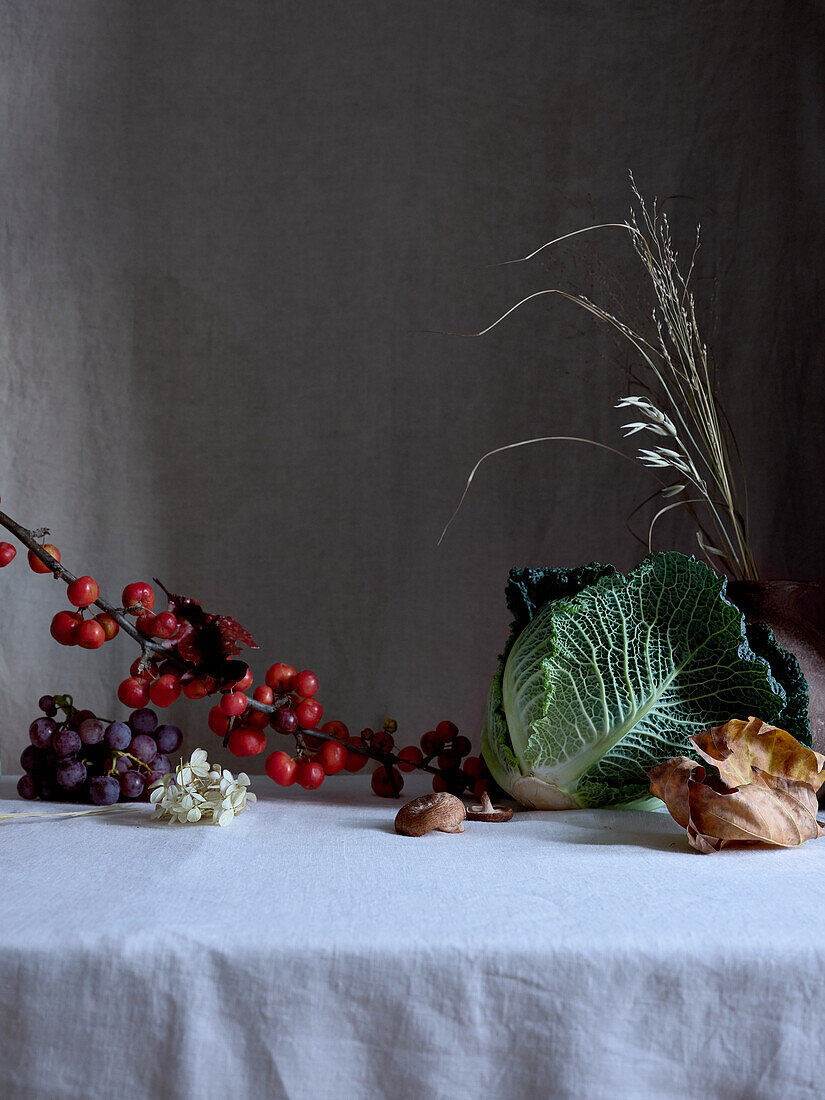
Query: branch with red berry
{"x": 187, "y": 650}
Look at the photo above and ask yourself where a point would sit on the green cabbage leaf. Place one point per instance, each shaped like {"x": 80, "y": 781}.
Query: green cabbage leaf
{"x": 606, "y": 675}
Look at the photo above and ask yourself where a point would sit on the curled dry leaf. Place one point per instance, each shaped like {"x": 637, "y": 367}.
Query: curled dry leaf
{"x": 763, "y": 790}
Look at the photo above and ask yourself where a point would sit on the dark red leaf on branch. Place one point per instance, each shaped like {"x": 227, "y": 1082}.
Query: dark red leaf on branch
{"x": 232, "y": 633}
{"x": 207, "y": 642}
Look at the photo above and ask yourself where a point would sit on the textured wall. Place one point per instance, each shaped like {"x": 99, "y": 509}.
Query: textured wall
{"x": 225, "y": 226}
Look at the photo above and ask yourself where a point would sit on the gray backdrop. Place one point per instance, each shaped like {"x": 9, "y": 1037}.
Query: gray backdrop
{"x": 225, "y": 228}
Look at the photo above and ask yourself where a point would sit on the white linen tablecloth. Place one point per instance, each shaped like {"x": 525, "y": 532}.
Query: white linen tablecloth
{"x": 307, "y": 951}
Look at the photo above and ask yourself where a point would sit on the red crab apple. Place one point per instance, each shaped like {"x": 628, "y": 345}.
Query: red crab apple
{"x": 83, "y": 591}
{"x": 138, "y": 594}
{"x": 36, "y": 565}
{"x": 64, "y": 627}
{"x": 281, "y": 767}
{"x": 90, "y": 634}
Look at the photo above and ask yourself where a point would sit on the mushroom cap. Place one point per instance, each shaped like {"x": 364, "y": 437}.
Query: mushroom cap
{"x": 422, "y": 815}
{"x": 495, "y": 813}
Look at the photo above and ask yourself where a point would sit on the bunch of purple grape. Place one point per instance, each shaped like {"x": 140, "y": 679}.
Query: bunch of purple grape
{"x": 83, "y": 758}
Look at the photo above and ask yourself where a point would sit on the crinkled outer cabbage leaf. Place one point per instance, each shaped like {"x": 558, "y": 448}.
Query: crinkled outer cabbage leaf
{"x": 605, "y": 675}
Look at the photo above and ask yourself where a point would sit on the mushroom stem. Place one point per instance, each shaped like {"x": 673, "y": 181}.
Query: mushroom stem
{"x": 487, "y": 811}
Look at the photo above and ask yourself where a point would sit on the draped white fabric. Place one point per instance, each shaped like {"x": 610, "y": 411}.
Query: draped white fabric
{"x": 225, "y": 228}
{"x": 306, "y": 951}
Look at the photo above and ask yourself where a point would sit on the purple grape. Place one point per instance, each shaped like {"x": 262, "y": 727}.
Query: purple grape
{"x": 49, "y": 789}
{"x": 169, "y": 738}
{"x": 131, "y": 783}
{"x": 92, "y": 731}
{"x": 144, "y": 748}
{"x": 104, "y": 790}
{"x": 118, "y": 736}
{"x": 26, "y": 787}
{"x": 122, "y": 764}
{"x": 70, "y": 774}
{"x": 67, "y": 742}
{"x": 143, "y": 720}
{"x": 79, "y": 717}
{"x": 47, "y": 705}
{"x": 159, "y": 767}
{"x": 285, "y": 720}
{"x": 41, "y": 732}
{"x": 33, "y": 760}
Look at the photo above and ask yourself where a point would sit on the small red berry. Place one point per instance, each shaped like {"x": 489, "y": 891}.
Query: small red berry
{"x": 474, "y": 767}
{"x": 7, "y": 553}
{"x": 309, "y": 713}
{"x": 146, "y": 673}
{"x": 409, "y": 758}
{"x": 430, "y": 743}
{"x": 382, "y": 784}
{"x": 264, "y": 694}
{"x": 382, "y": 741}
{"x": 332, "y": 757}
{"x": 195, "y": 689}
{"x": 165, "y": 690}
{"x": 246, "y": 741}
{"x": 257, "y": 718}
{"x": 245, "y": 682}
{"x": 305, "y": 684}
{"x": 445, "y": 731}
{"x": 439, "y": 783}
{"x": 36, "y": 565}
{"x": 447, "y": 760}
{"x": 83, "y": 591}
{"x": 336, "y": 729}
{"x": 233, "y": 703}
{"x": 146, "y": 624}
{"x": 218, "y": 722}
{"x": 280, "y": 677}
{"x": 90, "y": 634}
{"x": 356, "y": 760}
{"x": 64, "y": 627}
{"x": 165, "y": 625}
{"x": 133, "y": 693}
{"x": 138, "y": 596}
{"x": 280, "y": 767}
{"x": 462, "y": 745}
{"x": 110, "y": 625}
{"x": 309, "y": 774}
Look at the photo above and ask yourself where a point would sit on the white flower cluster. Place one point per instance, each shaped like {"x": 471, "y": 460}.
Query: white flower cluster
{"x": 200, "y": 791}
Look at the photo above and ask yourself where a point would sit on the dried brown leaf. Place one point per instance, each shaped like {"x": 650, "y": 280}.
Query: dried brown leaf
{"x": 669, "y": 781}
{"x": 738, "y": 748}
{"x": 762, "y": 792}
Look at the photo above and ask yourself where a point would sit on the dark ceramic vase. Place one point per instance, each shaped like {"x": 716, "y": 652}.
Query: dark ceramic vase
{"x": 795, "y": 611}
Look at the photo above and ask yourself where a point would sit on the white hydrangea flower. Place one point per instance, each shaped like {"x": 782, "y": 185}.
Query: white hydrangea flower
{"x": 201, "y": 791}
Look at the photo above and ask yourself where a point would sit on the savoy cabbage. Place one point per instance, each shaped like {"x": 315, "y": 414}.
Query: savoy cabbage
{"x": 606, "y": 675}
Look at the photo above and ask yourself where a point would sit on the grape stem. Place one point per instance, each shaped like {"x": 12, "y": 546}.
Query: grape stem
{"x": 29, "y": 538}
